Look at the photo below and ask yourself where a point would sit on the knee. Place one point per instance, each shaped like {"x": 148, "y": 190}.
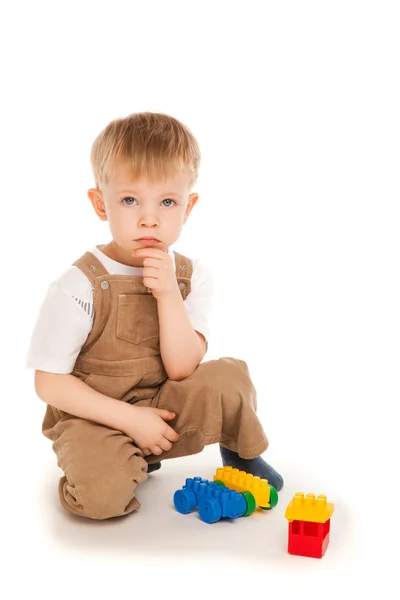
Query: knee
{"x": 99, "y": 499}
{"x": 229, "y": 373}
{"x": 230, "y": 378}
{"x": 224, "y": 366}
{"x": 105, "y": 500}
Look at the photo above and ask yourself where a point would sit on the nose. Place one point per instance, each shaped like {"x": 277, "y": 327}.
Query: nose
{"x": 148, "y": 218}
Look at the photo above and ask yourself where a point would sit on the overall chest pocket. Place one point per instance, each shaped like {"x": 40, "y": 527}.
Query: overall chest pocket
{"x": 137, "y": 318}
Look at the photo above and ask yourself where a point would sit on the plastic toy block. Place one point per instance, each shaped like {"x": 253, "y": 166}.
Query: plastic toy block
{"x": 307, "y": 538}
{"x": 309, "y": 508}
{"x": 213, "y": 501}
{"x": 265, "y": 495}
{"x": 309, "y": 525}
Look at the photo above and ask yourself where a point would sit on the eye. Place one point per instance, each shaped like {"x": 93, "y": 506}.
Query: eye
{"x": 129, "y": 201}
{"x": 168, "y": 200}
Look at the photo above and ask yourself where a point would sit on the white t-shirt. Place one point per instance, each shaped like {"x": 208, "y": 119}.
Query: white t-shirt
{"x": 66, "y": 316}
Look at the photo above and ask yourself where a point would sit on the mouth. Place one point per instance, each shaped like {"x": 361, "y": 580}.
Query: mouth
{"x": 147, "y": 240}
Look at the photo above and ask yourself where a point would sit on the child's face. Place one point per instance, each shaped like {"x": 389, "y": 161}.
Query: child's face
{"x": 142, "y": 209}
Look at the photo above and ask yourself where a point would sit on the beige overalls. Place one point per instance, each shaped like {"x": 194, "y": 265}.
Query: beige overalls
{"x": 121, "y": 359}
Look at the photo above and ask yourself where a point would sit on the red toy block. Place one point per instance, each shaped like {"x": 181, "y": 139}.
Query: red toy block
{"x": 309, "y": 525}
{"x": 307, "y": 538}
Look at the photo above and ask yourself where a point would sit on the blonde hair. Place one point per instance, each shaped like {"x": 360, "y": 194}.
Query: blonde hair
{"x": 153, "y": 145}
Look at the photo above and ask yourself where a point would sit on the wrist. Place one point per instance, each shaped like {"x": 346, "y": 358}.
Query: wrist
{"x": 122, "y": 415}
{"x": 171, "y": 295}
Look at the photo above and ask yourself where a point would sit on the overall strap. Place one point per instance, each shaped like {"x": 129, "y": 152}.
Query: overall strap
{"x": 90, "y": 266}
{"x": 183, "y": 271}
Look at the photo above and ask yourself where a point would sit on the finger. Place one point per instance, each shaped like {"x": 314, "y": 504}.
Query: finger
{"x": 164, "y": 414}
{"x": 165, "y": 444}
{"x": 171, "y": 434}
{"x": 156, "y": 450}
{"x": 152, "y": 263}
{"x": 151, "y": 272}
{"x": 146, "y": 451}
{"x": 150, "y": 282}
{"x": 150, "y": 252}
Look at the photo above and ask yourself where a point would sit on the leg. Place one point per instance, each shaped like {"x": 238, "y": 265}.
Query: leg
{"x": 217, "y": 403}
{"x": 102, "y": 468}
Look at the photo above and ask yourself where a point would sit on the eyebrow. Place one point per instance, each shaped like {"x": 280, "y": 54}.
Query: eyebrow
{"x": 135, "y": 194}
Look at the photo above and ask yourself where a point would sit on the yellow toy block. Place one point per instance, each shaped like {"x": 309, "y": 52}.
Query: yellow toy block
{"x": 240, "y": 481}
{"x": 309, "y": 508}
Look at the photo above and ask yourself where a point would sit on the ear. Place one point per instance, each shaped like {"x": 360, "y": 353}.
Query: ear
{"x": 96, "y": 198}
{"x": 192, "y": 201}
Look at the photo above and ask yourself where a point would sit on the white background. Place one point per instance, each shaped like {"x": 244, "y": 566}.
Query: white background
{"x": 296, "y": 108}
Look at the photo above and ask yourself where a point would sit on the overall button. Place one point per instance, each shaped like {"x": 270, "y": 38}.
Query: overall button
{"x": 92, "y": 267}
{"x": 104, "y": 285}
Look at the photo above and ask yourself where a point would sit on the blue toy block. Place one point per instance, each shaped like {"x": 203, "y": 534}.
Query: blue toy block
{"x": 213, "y": 501}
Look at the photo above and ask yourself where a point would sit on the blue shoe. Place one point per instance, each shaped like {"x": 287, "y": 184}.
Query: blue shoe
{"x": 255, "y": 466}
{"x": 154, "y": 467}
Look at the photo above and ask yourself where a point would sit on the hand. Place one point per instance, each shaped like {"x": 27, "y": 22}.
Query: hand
{"x": 149, "y": 431}
{"x": 158, "y": 272}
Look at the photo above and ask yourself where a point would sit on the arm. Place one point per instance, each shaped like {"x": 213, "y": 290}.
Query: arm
{"x": 71, "y": 395}
{"x": 182, "y": 348}
{"x": 143, "y": 424}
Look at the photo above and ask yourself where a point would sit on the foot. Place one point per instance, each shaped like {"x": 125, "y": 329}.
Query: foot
{"x": 153, "y": 467}
{"x": 255, "y": 466}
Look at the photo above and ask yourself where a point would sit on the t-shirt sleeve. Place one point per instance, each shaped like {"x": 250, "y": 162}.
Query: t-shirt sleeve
{"x": 63, "y": 325}
{"x": 199, "y": 302}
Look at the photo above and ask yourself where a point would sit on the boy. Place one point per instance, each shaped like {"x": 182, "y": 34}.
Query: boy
{"x": 121, "y": 334}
